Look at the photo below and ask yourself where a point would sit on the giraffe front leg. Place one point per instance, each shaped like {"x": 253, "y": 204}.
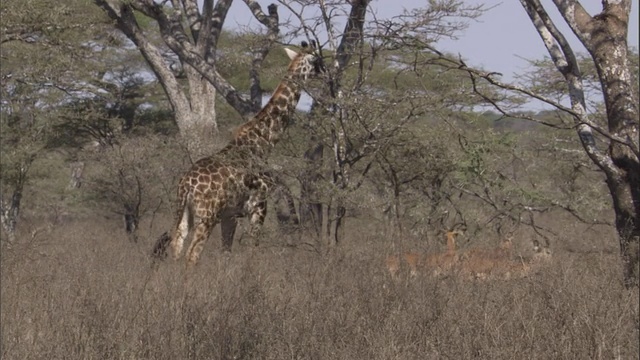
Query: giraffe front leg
{"x": 256, "y": 205}
{"x": 257, "y": 213}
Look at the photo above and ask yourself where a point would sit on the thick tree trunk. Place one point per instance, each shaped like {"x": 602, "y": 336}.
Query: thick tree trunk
{"x": 605, "y": 37}
{"x": 199, "y": 129}
{"x": 627, "y": 226}
{"x": 194, "y": 112}
{"x": 610, "y": 52}
{"x": 607, "y": 45}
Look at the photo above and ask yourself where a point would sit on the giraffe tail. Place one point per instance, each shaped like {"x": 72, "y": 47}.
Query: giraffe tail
{"x": 159, "y": 251}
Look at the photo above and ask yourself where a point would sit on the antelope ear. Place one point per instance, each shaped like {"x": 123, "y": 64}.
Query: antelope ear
{"x": 292, "y": 54}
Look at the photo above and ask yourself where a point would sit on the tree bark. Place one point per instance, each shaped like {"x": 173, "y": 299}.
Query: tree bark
{"x": 10, "y": 212}
{"x": 608, "y": 47}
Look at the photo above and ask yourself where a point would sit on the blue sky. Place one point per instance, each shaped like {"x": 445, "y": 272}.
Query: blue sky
{"x": 500, "y": 40}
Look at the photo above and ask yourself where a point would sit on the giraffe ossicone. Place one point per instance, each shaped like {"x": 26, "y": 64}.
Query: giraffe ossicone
{"x": 233, "y": 182}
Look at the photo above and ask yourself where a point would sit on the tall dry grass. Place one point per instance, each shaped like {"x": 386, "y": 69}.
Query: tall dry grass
{"x": 84, "y": 292}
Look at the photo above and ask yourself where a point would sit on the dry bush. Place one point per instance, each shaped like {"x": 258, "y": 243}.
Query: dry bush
{"x": 90, "y": 294}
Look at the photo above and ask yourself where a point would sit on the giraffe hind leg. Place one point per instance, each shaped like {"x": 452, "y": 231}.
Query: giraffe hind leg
{"x": 181, "y": 231}
{"x": 228, "y": 225}
{"x": 202, "y": 232}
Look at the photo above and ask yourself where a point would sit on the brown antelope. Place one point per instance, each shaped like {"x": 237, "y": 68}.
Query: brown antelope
{"x": 438, "y": 262}
{"x": 501, "y": 252}
{"x": 483, "y": 265}
{"x": 393, "y": 263}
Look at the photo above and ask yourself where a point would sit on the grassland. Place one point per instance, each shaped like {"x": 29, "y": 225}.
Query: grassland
{"x": 81, "y": 290}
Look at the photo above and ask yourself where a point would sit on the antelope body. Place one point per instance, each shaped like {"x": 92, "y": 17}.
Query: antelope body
{"x": 475, "y": 263}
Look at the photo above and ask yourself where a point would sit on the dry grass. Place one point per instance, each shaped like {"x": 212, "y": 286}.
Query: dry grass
{"x": 89, "y": 294}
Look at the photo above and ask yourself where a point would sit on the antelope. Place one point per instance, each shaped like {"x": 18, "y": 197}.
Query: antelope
{"x": 442, "y": 262}
{"x": 393, "y": 263}
{"x": 504, "y": 250}
{"x": 484, "y": 265}
{"x": 439, "y": 262}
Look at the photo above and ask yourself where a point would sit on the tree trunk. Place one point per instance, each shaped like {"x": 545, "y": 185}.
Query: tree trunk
{"x": 607, "y": 45}
{"x": 9, "y": 212}
{"x": 194, "y": 114}
{"x": 605, "y": 37}
{"x": 627, "y": 225}
{"x": 199, "y": 130}
{"x": 310, "y": 207}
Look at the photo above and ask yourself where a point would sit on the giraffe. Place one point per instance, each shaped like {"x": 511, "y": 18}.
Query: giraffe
{"x": 231, "y": 184}
{"x": 285, "y": 213}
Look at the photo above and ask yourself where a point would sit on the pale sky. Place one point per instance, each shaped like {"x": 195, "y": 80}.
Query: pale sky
{"x": 504, "y": 35}
{"x": 498, "y": 41}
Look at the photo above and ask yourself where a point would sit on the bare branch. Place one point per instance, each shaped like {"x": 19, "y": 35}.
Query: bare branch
{"x": 214, "y": 21}
{"x": 568, "y": 66}
{"x": 577, "y": 17}
{"x": 351, "y": 35}
{"x": 271, "y": 23}
{"x": 176, "y": 39}
{"x": 127, "y": 23}
{"x": 193, "y": 15}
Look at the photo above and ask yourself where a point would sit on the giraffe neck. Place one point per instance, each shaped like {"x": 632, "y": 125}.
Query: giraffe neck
{"x": 258, "y": 135}
{"x": 282, "y": 103}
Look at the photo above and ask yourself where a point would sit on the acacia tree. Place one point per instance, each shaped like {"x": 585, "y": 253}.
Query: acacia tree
{"x": 192, "y": 35}
{"x": 611, "y": 144}
{"x": 349, "y": 106}
{"x": 196, "y": 48}
{"x": 350, "y": 38}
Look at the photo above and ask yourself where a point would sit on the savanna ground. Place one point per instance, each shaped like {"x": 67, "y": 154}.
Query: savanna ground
{"x": 81, "y": 290}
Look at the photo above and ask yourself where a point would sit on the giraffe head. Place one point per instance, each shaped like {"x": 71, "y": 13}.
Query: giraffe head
{"x": 306, "y": 63}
